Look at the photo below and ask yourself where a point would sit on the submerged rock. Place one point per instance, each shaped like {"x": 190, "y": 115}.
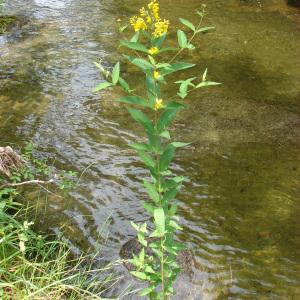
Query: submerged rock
{"x": 184, "y": 259}
{"x": 185, "y": 285}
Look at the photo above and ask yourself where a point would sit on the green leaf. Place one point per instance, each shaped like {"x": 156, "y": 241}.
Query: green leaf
{"x": 147, "y": 159}
{"x": 151, "y": 89}
{"x": 148, "y": 207}
{"x": 135, "y": 261}
{"x": 156, "y": 251}
{"x": 102, "y": 86}
{"x": 174, "y": 182}
{"x": 152, "y": 191}
{"x": 142, "y": 255}
{"x": 152, "y": 60}
{"x": 166, "y": 118}
{"x": 204, "y": 75}
{"x": 190, "y": 46}
{"x": 134, "y": 46}
{"x": 175, "y": 105}
{"x": 171, "y": 194}
{"x": 141, "y": 239}
{"x": 141, "y": 118}
{"x": 149, "y": 269}
{"x": 165, "y": 134}
{"x": 146, "y": 291}
{"x": 140, "y": 146}
{"x": 173, "y": 210}
{"x": 115, "y": 73}
{"x": 124, "y": 84}
{"x": 134, "y": 100}
{"x": 135, "y": 226}
{"x": 159, "y": 220}
{"x": 162, "y": 65}
{"x": 182, "y": 39}
{"x": 143, "y": 228}
{"x": 173, "y": 224}
{"x": 122, "y": 28}
{"x": 166, "y": 157}
{"x": 187, "y": 24}
{"x": 141, "y": 63}
{"x": 204, "y": 29}
{"x": 180, "y": 144}
{"x": 207, "y": 83}
{"x": 200, "y": 13}
{"x": 175, "y": 67}
{"x": 184, "y": 84}
{"x": 168, "y": 49}
{"x": 154, "y": 142}
{"x": 135, "y": 37}
{"x": 139, "y": 275}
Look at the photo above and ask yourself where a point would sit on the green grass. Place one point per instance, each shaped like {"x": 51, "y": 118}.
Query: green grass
{"x": 35, "y": 267}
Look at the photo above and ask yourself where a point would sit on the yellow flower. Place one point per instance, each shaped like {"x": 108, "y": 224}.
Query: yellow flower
{"x": 156, "y": 75}
{"x": 143, "y": 12}
{"x": 160, "y": 28}
{"x": 148, "y": 19}
{"x": 158, "y": 104}
{"x": 154, "y": 7}
{"x": 138, "y": 23}
{"x": 132, "y": 20}
{"x": 153, "y": 50}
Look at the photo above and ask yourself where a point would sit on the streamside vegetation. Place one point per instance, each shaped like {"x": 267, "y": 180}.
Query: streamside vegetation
{"x": 148, "y": 50}
{"x": 34, "y": 266}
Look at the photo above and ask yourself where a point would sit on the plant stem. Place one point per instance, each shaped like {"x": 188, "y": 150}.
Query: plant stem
{"x": 162, "y": 268}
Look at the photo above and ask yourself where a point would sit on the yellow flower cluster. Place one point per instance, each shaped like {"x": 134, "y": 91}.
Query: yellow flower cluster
{"x": 138, "y": 23}
{"x": 154, "y": 8}
{"x": 150, "y": 17}
{"x": 158, "y": 104}
{"x": 160, "y": 28}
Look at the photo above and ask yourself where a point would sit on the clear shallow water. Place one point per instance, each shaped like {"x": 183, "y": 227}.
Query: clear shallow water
{"x": 241, "y": 207}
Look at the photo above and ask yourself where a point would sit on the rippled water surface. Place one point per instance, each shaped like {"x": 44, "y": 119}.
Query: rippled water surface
{"x": 240, "y": 208}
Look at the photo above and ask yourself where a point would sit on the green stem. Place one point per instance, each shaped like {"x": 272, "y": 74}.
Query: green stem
{"x": 162, "y": 266}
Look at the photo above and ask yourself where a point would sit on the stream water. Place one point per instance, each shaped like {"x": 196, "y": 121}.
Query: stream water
{"x": 240, "y": 208}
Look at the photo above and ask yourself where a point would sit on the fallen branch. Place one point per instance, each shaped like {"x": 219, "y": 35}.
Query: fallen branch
{"x": 27, "y": 183}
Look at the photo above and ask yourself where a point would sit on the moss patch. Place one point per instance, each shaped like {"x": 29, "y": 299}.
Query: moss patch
{"x": 8, "y": 22}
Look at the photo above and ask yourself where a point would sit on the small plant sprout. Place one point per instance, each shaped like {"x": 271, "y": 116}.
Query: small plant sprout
{"x": 156, "y": 263}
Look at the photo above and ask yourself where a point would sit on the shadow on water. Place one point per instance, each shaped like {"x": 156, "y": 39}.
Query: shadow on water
{"x": 240, "y": 208}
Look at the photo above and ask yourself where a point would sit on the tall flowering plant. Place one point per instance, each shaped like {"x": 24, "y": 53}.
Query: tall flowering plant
{"x": 155, "y": 112}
